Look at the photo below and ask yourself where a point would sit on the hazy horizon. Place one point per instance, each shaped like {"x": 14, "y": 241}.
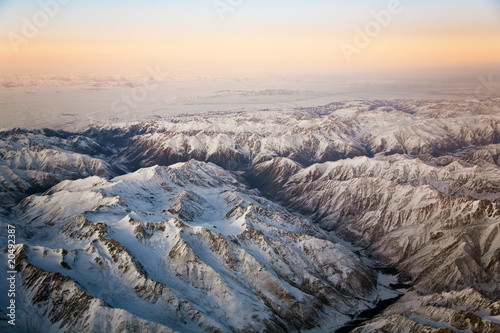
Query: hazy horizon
{"x": 142, "y": 60}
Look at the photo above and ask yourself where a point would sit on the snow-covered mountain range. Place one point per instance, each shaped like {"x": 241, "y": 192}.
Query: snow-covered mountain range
{"x": 308, "y": 220}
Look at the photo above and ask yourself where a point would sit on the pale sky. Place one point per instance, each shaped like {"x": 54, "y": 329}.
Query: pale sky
{"x": 250, "y": 37}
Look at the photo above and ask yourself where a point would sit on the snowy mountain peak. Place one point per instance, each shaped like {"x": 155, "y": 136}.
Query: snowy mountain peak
{"x": 271, "y": 221}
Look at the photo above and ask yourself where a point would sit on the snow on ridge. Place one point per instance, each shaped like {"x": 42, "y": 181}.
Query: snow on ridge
{"x": 209, "y": 247}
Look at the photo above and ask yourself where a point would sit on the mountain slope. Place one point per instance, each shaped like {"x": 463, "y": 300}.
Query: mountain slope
{"x": 300, "y": 220}
{"x": 33, "y": 161}
{"x": 191, "y": 234}
{"x": 388, "y": 206}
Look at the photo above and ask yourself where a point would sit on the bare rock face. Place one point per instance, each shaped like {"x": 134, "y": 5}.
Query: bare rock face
{"x": 188, "y": 206}
{"x": 466, "y": 310}
{"x": 398, "y": 323}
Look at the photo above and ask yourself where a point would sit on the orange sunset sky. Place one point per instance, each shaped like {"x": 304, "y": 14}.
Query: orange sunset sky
{"x": 248, "y": 37}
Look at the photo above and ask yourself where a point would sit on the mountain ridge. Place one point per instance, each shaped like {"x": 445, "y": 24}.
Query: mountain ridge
{"x": 272, "y": 221}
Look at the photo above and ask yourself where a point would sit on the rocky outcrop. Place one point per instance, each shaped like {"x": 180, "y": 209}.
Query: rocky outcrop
{"x": 465, "y": 310}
